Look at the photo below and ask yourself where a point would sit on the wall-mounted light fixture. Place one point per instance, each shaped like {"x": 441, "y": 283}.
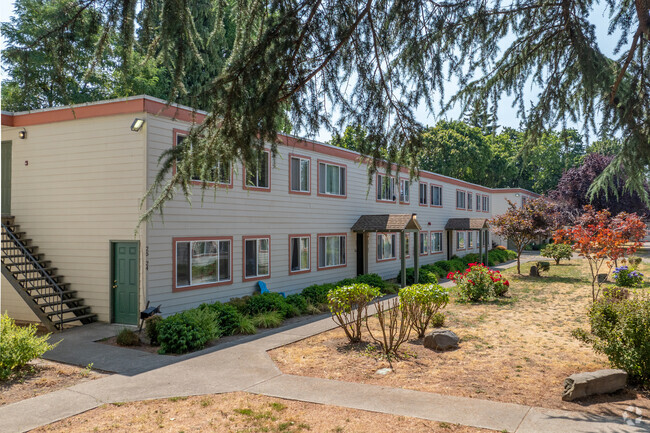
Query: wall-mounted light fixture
{"x": 517, "y": 195}
{"x": 22, "y": 134}
{"x": 137, "y": 124}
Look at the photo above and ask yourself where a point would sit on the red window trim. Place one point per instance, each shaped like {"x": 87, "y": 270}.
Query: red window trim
{"x": 243, "y": 268}
{"x": 318, "y": 193}
{"x": 399, "y": 191}
{"x": 431, "y": 200}
{"x": 468, "y": 201}
{"x": 176, "y": 132}
{"x": 463, "y": 191}
{"x": 295, "y": 155}
{"x": 456, "y": 241}
{"x": 427, "y": 188}
{"x": 377, "y": 259}
{"x": 441, "y": 241}
{"x": 199, "y": 286}
{"x": 321, "y": 235}
{"x": 420, "y": 243}
{"x": 257, "y": 188}
{"x": 377, "y": 188}
{"x": 304, "y": 271}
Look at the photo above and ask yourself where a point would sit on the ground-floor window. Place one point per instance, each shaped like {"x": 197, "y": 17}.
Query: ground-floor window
{"x": 424, "y": 243}
{"x": 201, "y": 262}
{"x": 256, "y": 257}
{"x": 436, "y": 242}
{"x": 386, "y": 246}
{"x": 470, "y": 239}
{"x": 478, "y": 239}
{"x": 331, "y": 251}
{"x": 460, "y": 240}
{"x": 299, "y": 253}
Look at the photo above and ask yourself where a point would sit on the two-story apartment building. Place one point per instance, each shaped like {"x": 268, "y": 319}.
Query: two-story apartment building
{"x": 73, "y": 179}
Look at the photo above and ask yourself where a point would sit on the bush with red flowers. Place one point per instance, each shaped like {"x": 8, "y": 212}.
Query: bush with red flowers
{"x": 479, "y": 283}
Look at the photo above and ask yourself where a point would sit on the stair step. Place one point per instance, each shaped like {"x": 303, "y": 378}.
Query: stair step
{"x": 49, "y": 295}
{"x": 68, "y": 310}
{"x": 74, "y": 319}
{"x": 17, "y": 234}
{"x": 12, "y": 256}
{"x": 43, "y": 263}
{"x": 49, "y": 304}
{"x": 40, "y": 277}
{"x": 24, "y": 241}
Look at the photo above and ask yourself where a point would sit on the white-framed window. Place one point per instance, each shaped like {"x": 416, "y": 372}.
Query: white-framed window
{"x": 460, "y": 199}
{"x": 423, "y": 194}
{"x": 257, "y": 175}
{"x": 486, "y": 203}
{"x": 404, "y": 191}
{"x": 299, "y": 253}
{"x": 256, "y": 256}
{"x": 221, "y": 174}
{"x": 478, "y": 202}
{"x": 385, "y": 188}
{"x": 460, "y": 240}
{"x": 407, "y": 244}
{"x": 470, "y": 200}
{"x": 436, "y": 195}
{"x": 331, "y": 179}
{"x": 436, "y": 242}
{"x": 424, "y": 243}
{"x": 331, "y": 251}
{"x": 201, "y": 262}
{"x": 470, "y": 240}
{"x": 478, "y": 239}
{"x": 386, "y": 246}
{"x": 300, "y": 174}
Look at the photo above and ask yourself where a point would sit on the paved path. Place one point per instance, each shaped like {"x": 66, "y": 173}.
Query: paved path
{"x": 244, "y": 365}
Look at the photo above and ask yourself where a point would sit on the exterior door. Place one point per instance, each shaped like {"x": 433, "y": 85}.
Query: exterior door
{"x": 361, "y": 255}
{"x": 6, "y": 177}
{"x": 450, "y": 243}
{"x": 125, "y": 282}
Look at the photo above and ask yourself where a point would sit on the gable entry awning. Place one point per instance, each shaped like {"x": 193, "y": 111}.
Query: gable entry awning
{"x": 480, "y": 224}
{"x": 399, "y": 223}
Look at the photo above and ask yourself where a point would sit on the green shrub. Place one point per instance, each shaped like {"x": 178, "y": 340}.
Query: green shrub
{"x": 228, "y": 316}
{"x": 267, "y": 302}
{"x": 427, "y": 277}
{"x": 348, "y": 306}
{"x": 390, "y": 289}
{"x": 126, "y": 337}
{"x": 420, "y": 302}
{"x": 245, "y": 326}
{"x": 626, "y": 277}
{"x": 312, "y": 309}
{"x": 410, "y": 276}
{"x": 297, "y": 301}
{"x": 373, "y": 280}
{"x": 557, "y": 252}
{"x": 317, "y": 294}
{"x": 19, "y": 345}
{"x": 543, "y": 266}
{"x": 621, "y": 330}
{"x": 346, "y": 282}
{"x": 445, "y": 266}
{"x": 269, "y": 319}
{"x": 188, "y": 331}
{"x": 151, "y": 328}
{"x": 471, "y": 258}
{"x": 457, "y": 264}
{"x": 239, "y": 303}
{"x": 438, "y": 320}
{"x": 634, "y": 261}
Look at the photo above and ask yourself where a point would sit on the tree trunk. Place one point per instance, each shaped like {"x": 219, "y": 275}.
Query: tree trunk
{"x": 519, "y": 260}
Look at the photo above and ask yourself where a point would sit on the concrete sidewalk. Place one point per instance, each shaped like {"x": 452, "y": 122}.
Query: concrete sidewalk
{"x": 244, "y": 365}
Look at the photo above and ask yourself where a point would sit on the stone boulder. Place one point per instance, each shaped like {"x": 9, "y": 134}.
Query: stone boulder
{"x": 443, "y": 339}
{"x": 591, "y": 383}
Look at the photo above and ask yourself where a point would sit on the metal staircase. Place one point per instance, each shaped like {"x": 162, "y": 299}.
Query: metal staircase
{"x": 37, "y": 283}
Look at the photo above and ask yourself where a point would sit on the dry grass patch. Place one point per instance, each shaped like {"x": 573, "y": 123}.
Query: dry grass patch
{"x": 241, "y": 412}
{"x": 518, "y": 350}
{"x": 40, "y": 377}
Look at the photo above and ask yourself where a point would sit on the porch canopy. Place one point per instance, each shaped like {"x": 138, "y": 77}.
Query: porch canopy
{"x": 471, "y": 224}
{"x": 399, "y": 223}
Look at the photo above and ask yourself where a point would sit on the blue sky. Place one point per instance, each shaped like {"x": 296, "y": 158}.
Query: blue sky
{"x": 507, "y": 115}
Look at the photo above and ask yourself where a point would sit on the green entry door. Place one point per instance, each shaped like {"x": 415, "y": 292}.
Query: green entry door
{"x": 125, "y": 282}
{"x": 6, "y": 178}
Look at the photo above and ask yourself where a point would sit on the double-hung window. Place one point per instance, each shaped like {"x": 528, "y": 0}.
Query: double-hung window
{"x": 460, "y": 240}
{"x": 404, "y": 191}
{"x": 436, "y": 195}
{"x": 436, "y": 242}
{"x": 478, "y": 239}
{"x": 470, "y": 240}
{"x": 407, "y": 245}
{"x": 256, "y": 256}
{"x": 221, "y": 174}
{"x": 460, "y": 199}
{"x": 300, "y": 174}
{"x": 386, "y": 243}
{"x": 470, "y": 200}
{"x": 478, "y": 202}
{"x": 423, "y": 194}
{"x": 331, "y": 179}
{"x": 385, "y": 188}
{"x": 486, "y": 203}
{"x": 201, "y": 262}
{"x": 331, "y": 251}
{"x": 424, "y": 243}
{"x": 257, "y": 174}
{"x": 299, "y": 253}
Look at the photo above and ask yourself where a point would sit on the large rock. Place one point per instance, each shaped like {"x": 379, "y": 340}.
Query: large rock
{"x": 441, "y": 340}
{"x": 596, "y": 382}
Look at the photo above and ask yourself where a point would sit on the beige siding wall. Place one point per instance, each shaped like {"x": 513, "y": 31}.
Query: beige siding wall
{"x": 76, "y": 186}
{"x": 236, "y": 212}
{"x": 500, "y": 204}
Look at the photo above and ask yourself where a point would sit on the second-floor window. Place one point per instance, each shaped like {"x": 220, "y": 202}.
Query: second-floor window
{"x": 486, "y": 203}
{"x": 385, "y": 188}
{"x": 404, "y": 190}
{"x": 220, "y": 174}
{"x": 460, "y": 199}
{"x": 299, "y": 174}
{"x": 386, "y": 246}
{"x": 423, "y": 193}
{"x": 470, "y": 200}
{"x": 436, "y": 195}
{"x": 478, "y": 203}
{"x": 257, "y": 175}
{"x": 331, "y": 179}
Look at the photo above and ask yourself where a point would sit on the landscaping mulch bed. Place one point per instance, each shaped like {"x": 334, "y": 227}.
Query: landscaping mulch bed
{"x": 41, "y": 377}
{"x": 241, "y": 412}
{"x": 516, "y": 350}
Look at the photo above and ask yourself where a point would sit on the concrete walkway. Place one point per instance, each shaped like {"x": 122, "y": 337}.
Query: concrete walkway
{"x": 244, "y": 365}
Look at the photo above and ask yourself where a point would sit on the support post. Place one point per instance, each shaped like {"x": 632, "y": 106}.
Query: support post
{"x": 402, "y": 254}
{"x": 416, "y": 257}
